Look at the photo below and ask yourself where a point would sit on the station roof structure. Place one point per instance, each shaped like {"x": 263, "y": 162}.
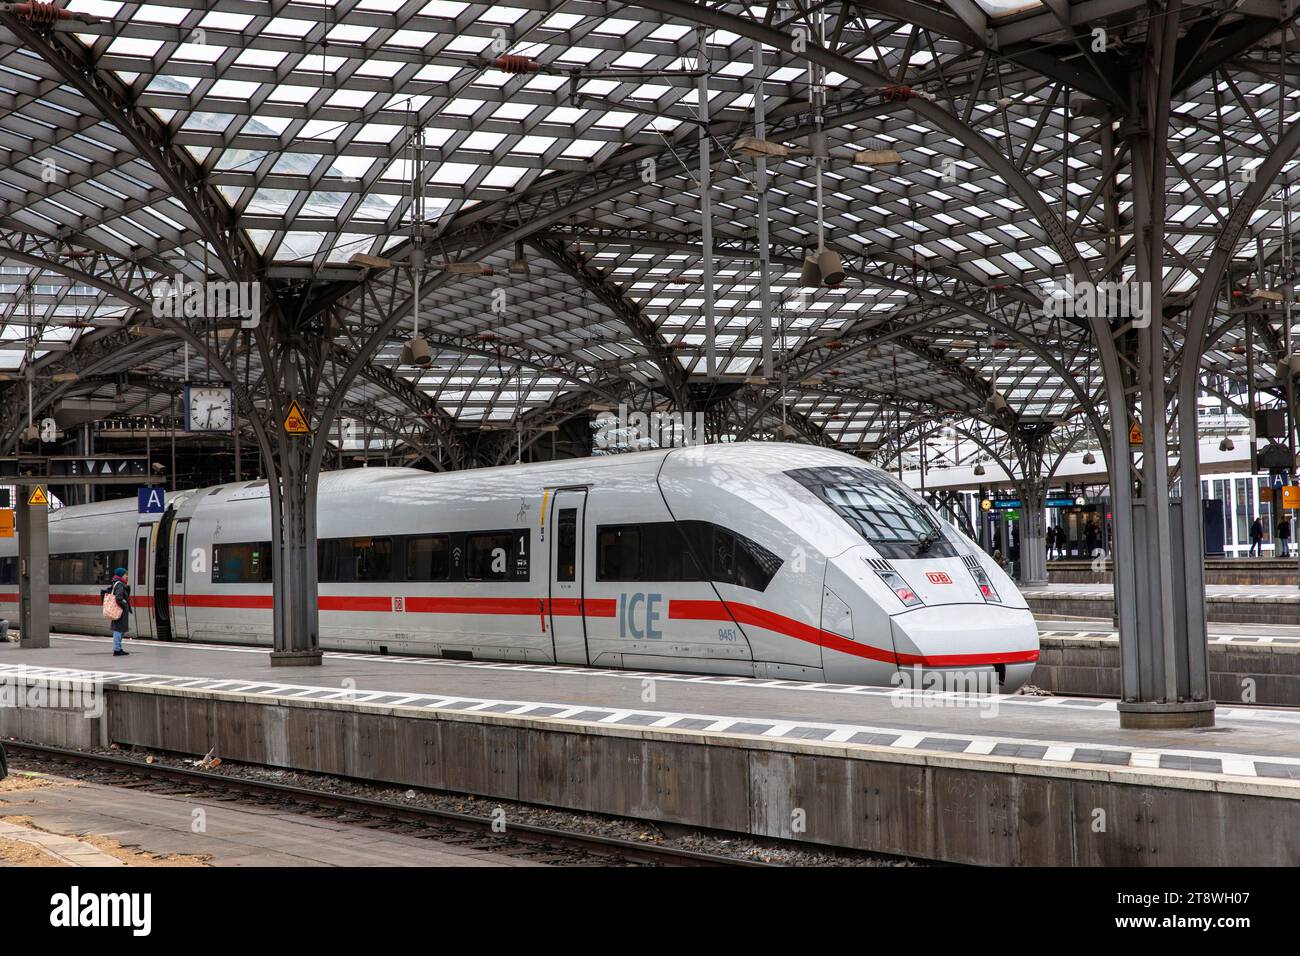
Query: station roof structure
{"x": 550, "y": 151}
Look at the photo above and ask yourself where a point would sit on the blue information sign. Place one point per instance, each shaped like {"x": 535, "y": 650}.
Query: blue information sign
{"x": 150, "y": 501}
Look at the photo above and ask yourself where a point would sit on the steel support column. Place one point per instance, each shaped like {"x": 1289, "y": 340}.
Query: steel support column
{"x": 706, "y": 205}
{"x": 1163, "y": 677}
{"x": 295, "y": 588}
{"x": 1030, "y": 444}
{"x": 764, "y": 241}
{"x": 33, "y": 571}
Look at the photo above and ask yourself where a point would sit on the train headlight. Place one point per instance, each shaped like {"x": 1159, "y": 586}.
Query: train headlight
{"x": 895, "y": 583}
{"x": 985, "y": 585}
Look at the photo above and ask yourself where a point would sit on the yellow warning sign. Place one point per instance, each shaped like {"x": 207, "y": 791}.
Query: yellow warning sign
{"x": 1135, "y": 434}
{"x": 38, "y": 496}
{"x": 295, "y": 423}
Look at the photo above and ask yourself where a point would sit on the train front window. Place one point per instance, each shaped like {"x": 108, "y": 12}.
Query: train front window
{"x": 887, "y": 517}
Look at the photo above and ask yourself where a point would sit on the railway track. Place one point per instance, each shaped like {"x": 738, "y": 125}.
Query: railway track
{"x": 544, "y": 844}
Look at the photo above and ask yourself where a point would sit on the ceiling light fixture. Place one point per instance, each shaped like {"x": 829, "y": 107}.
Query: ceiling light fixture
{"x": 369, "y": 261}
{"x": 467, "y": 268}
{"x": 519, "y": 265}
{"x": 877, "y": 157}
{"x": 753, "y": 146}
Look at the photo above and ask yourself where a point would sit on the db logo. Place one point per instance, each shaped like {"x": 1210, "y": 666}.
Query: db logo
{"x": 938, "y": 577}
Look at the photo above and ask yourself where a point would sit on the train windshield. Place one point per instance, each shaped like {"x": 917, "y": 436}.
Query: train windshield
{"x": 887, "y": 518}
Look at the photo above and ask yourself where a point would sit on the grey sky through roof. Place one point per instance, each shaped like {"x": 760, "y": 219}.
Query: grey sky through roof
{"x": 300, "y": 117}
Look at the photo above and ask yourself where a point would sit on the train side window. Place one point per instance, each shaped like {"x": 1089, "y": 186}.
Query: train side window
{"x": 755, "y": 565}
{"x": 70, "y": 569}
{"x": 566, "y": 546}
{"x": 618, "y": 553}
{"x": 666, "y": 555}
{"x": 724, "y": 556}
{"x": 732, "y": 558}
{"x": 490, "y": 556}
{"x": 327, "y": 561}
{"x": 248, "y": 563}
{"x": 373, "y": 558}
{"x": 427, "y": 558}
{"x": 178, "y": 562}
{"x": 9, "y": 570}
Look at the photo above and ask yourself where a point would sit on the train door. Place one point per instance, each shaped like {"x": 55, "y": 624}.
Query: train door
{"x": 568, "y": 558}
{"x": 162, "y": 609}
{"x": 176, "y": 590}
{"x": 141, "y": 619}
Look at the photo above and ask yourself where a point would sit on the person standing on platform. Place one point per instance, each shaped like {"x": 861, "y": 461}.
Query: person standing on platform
{"x": 121, "y": 590}
{"x": 1092, "y": 534}
{"x": 1284, "y": 536}
{"x": 1257, "y": 538}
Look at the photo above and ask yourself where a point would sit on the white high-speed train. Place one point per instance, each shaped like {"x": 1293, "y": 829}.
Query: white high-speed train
{"x": 759, "y": 559}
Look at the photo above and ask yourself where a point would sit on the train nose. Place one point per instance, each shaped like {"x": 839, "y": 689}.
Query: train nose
{"x": 956, "y": 650}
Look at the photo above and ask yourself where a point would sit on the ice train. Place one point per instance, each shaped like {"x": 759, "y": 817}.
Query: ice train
{"x": 758, "y": 559}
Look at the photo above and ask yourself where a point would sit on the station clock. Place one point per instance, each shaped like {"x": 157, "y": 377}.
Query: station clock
{"x": 209, "y": 408}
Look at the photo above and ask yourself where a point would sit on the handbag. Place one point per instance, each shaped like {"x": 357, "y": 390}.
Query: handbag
{"x": 111, "y": 609}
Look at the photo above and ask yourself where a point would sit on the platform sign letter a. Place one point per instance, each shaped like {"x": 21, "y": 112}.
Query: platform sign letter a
{"x": 150, "y": 501}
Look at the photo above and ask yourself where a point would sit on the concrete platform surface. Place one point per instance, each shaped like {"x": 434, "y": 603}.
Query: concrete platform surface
{"x": 1248, "y": 742}
{"x": 232, "y": 835}
{"x": 1287, "y": 593}
{"x": 61, "y": 849}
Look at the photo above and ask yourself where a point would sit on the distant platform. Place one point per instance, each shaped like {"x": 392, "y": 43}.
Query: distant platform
{"x": 1253, "y": 664}
{"x": 1230, "y": 571}
{"x": 1269, "y": 604}
{"x": 958, "y": 777}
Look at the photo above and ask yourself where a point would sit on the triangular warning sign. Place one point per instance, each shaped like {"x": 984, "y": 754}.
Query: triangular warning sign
{"x": 38, "y": 496}
{"x": 1135, "y": 434}
{"x": 295, "y": 423}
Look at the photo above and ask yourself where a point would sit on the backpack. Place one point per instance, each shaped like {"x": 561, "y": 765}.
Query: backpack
{"x": 111, "y": 609}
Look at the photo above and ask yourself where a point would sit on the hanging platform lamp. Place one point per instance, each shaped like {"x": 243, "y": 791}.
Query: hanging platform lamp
{"x": 831, "y": 267}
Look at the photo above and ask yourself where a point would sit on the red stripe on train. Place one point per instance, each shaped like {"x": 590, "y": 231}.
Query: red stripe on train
{"x": 771, "y": 621}
{"x": 90, "y": 600}
{"x": 383, "y": 603}
{"x": 574, "y": 607}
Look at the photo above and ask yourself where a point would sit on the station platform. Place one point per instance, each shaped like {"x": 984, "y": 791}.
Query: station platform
{"x": 1249, "y": 663}
{"x": 1229, "y": 571}
{"x": 1274, "y": 604}
{"x": 153, "y": 829}
{"x": 959, "y": 777}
